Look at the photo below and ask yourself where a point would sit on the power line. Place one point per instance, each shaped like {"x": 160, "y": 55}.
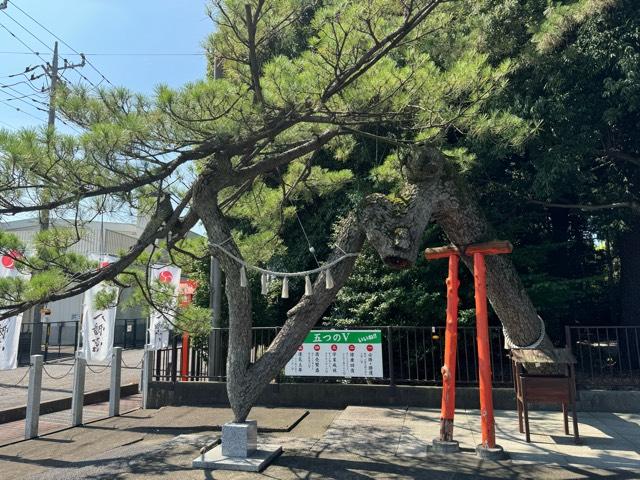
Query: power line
{"x": 22, "y": 42}
{"x": 18, "y": 109}
{"x": 27, "y": 30}
{"x": 26, "y": 70}
{"x": 62, "y": 41}
{"x": 120, "y": 54}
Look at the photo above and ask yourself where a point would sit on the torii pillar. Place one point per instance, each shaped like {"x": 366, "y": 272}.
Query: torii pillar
{"x": 488, "y": 448}
{"x": 445, "y": 443}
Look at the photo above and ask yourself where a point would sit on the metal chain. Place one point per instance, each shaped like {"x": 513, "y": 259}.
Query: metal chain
{"x": 61, "y": 377}
{"x": 136, "y": 366}
{"x": 23, "y": 377}
{"x": 99, "y": 371}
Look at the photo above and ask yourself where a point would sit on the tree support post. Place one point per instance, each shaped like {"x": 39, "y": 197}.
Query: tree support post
{"x": 445, "y": 443}
{"x": 488, "y": 448}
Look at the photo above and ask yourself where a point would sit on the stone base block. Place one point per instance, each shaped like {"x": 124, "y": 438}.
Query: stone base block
{"x": 495, "y": 453}
{"x": 442, "y": 447}
{"x": 256, "y": 462}
{"x": 239, "y": 439}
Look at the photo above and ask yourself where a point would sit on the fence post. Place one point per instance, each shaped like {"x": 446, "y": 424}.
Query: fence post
{"x": 33, "y": 397}
{"x": 392, "y": 373}
{"x": 46, "y": 342}
{"x": 77, "y": 400}
{"x": 147, "y": 371}
{"x": 116, "y": 375}
{"x": 75, "y": 344}
{"x": 174, "y": 357}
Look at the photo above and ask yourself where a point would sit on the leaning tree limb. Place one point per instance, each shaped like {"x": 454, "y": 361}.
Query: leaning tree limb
{"x": 459, "y": 215}
{"x": 394, "y": 228}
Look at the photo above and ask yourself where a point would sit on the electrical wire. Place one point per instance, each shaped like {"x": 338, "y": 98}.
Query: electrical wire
{"x": 27, "y": 30}
{"x": 62, "y": 41}
{"x": 119, "y": 54}
{"x": 18, "y": 109}
{"x": 22, "y": 42}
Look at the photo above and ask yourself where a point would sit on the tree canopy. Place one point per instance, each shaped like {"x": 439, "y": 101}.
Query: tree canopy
{"x": 358, "y": 121}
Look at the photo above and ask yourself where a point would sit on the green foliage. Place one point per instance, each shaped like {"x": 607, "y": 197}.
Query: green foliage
{"x": 525, "y": 96}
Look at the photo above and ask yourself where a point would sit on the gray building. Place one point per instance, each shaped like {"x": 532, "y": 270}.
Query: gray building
{"x": 96, "y": 238}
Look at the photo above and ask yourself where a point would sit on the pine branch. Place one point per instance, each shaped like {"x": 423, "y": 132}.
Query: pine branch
{"x": 632, "y": 205}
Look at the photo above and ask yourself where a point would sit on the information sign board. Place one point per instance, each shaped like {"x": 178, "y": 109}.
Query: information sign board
{"x": 338, "y": 353}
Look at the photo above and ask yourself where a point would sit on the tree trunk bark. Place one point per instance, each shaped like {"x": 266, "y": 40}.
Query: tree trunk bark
{"x": 394, "y": 227}
{"x": 459, "y": 215}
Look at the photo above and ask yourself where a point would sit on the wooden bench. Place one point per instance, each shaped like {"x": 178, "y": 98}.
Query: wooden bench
{"x": 553, "y": 389}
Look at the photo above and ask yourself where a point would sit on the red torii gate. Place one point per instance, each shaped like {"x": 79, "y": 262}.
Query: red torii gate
{"x": 445, "y": 443}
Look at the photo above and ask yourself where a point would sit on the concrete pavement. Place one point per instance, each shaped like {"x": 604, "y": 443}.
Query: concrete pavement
{"x": 356, "y": 443}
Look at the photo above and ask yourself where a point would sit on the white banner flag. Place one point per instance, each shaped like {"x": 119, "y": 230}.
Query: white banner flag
{"x": 98, "y": 326}
{"x": 9, "y": 327}
{"x": 158, "y": 325}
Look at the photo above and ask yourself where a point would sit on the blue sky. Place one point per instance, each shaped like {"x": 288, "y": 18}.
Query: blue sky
{"x": 104, "y": 27}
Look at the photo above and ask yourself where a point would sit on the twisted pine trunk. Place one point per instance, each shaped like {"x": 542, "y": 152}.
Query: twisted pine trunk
{"x": 394, "y": 227}
{"x": 459, "y": 215}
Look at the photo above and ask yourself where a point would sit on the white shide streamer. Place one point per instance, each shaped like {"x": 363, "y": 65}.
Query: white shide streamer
{"x": 266, "y": 274}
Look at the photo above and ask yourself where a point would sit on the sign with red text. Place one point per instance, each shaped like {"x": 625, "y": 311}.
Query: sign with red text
{"x": 338, "y": 353}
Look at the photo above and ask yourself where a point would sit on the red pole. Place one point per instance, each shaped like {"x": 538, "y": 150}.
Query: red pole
{"x": 450, "y": 350}
{"x": 484, "y": 354}
{"x": 184, "y": 364}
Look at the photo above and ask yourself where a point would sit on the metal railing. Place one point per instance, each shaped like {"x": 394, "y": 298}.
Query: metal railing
{"x": 411, "y": 355}
{"x": 59, "y": 339}
{"x": 606, "y": 357}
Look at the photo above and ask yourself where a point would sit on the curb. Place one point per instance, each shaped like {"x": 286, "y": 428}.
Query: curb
{"x": 60, "y": 404}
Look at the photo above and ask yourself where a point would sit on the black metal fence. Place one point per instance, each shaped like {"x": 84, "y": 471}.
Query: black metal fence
{"x": 606, "y": 357}
{"x": 59, "y": 339}
{"x": 411, "y": 355}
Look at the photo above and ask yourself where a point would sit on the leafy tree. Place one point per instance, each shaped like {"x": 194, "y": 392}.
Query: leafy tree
{"x": 301, "y": 81}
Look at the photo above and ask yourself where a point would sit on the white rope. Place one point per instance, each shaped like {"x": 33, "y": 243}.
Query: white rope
{"x": 324, "y": 267}
{"x": 508, "y": 343}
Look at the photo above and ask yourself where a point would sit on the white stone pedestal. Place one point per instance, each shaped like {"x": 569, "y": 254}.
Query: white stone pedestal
{"x": 239, "y": 450}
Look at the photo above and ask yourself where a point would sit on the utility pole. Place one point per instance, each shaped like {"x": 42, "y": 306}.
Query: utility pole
{"x": 215, "y": 288}
{"x": 215, "y": 297}
{"x": 52, "y": 71}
